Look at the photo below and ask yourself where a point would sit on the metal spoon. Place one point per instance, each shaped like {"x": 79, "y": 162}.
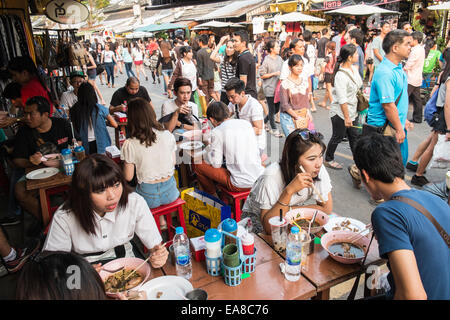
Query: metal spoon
{"x": 311, "y": 222}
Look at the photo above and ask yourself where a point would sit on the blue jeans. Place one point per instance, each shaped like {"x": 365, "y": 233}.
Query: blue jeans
{"x": 287, "y": 125}
{"x": 159, "y": 194}
{"x": 109, "y": 66}
{"x": 130, "y": 72}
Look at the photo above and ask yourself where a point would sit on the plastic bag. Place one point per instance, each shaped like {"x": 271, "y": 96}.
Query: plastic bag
{"x": 441, "y": 154}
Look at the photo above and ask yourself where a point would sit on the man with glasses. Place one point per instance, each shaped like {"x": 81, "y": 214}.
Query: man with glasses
{"x": 69, "y": 98}
{"x": 41, "y": 135}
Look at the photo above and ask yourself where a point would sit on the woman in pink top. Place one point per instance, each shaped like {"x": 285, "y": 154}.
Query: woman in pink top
{"x": 329, "y": 69}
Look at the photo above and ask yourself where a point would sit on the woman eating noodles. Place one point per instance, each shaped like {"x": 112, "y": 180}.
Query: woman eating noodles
{"x": 288, "y": 184}
{"x": 101, "y": 216}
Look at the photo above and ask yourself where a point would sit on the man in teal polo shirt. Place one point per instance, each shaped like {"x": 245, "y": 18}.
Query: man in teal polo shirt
{"x": 389, "y": 85}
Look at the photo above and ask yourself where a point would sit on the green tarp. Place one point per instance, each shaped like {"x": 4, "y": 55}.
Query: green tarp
{"x": 160, "y": 27}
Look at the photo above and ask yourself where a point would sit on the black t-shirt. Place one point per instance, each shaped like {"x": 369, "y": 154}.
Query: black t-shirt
{"x": 28, "y": 141}
{"x": 246, "y": 66}
{"x": 321, "y": 45}
{"x": 122, "y": 95}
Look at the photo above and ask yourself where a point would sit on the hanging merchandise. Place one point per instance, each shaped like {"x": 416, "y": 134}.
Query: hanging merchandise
{"x": 13, "y": 42}
{"x": 258, "y": 25}
{"x": 277, "y": 26}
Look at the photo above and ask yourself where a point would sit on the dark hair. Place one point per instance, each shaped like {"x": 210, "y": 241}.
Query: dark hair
{"x": 235, "y": 84}
{"x": 82, "y": 111}
{"x": 429, "y": 43}
{"x": 307, "y": 35}
{"x": 346, "y": 51}
{"x": 294, "y": 60}
{"x": 446, "y": 73}
{"x": 243, "y": 35}
{"x": 233, "y": 59}
{"x": 12, "y": 90}
{"x": 270, "y": 45}
{"x": 165, "y": 50}
{"x": 132, "y": 80}
{"x": 41, "y": 103}
{"x": 185, "y": 49}
{"x": 383, "y": 23}
{"x": 47, "y": 275}
{"x": 403, "y": 24}
{"x": 417, "y": 35}
{"x": 324, "y": 31}
{"x": 94, "y": 174}
{"x": 294, "y": 148}
{"x": 358, "y": 35}
{"x": 142, "y": 121}
{"x": 393, "y": 37}
{"x": 181, "y": 82}
{"x": 380, "y": 157}
{"x": 204, "y": 39}
{"x": 294, "y": 43}
{"x": 217, "y": 111}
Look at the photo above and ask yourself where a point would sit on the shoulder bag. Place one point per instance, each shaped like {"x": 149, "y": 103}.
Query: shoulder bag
{"x": 363, "y": 103}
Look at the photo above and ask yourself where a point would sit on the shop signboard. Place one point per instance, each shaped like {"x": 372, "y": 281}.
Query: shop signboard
{"x": 66, "y": 11}
{"x": 331, "y": 5}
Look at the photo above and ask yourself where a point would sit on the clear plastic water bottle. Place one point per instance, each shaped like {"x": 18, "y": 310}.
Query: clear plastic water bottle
{"x": 182, "y": 254}
{"x": 293, "y": 255}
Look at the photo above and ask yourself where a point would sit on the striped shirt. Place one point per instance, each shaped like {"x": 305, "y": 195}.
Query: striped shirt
{"x": 227, "y": 71}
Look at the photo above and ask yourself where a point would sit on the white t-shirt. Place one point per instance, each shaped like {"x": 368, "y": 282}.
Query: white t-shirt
{"x": 137, "y": 55}
{"x": 236, "y": 140}
{"x": 91, "y": 133}
{"x": 252, "y": 111}
{"x": 108, "y": 56}
{"x": 113, "y": 229}
{"x": 152, "y": 163}
{"x": 170, "y": 106}
{"x": 68, "y": 98}
{"x": 285, "y": 71}
{"x": 189, "y": 71}
{"x": 311, "y": 52}
{"x": 267, "y": 190}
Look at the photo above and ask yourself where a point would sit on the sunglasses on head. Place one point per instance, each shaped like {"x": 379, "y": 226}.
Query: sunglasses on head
{"x": 306, "y": 134}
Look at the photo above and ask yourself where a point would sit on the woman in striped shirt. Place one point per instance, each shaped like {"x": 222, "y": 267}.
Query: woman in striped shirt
{"x": 227, "y": 62}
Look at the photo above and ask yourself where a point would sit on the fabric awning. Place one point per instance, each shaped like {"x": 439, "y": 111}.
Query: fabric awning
{"x": 161, "y": 27}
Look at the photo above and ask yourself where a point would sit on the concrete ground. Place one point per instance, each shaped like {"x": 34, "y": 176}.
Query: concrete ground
{"x": 347, "y": 201}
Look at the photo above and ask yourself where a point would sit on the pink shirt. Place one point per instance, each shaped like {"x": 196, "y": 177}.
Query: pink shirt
{"x": 414, "y": 65}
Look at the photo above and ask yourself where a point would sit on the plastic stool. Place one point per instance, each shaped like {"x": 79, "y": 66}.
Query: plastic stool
{"x": 52, "y": 210}
{"x": 166, "y": 210}
{"x": 236, "y": 198}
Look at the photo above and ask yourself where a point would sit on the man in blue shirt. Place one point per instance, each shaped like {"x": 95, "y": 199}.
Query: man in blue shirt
{"x": 418, "y": 256}
{"x": 389, "y": 85}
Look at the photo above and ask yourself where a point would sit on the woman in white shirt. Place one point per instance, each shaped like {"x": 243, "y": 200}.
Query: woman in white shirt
{"x": 343, "y": 110}
{"x": 151, "y": 150}
{"x": 185, "y": 68}
{"x": 283, "y": 186}
{"x": 101, "y": 216}
{"x": 108, "y": 59}
{"x": 138, "y": 58}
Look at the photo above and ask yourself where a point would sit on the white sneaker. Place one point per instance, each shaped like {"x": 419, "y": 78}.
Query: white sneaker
{"x": 276, "y": 133}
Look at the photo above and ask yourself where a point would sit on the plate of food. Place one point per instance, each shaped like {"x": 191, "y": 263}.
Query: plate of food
{"x": 345, "y": 224}
{"x": 303, "y": 216}
{"x": 191, "y": 145}
{"x": 342, "y": 248}
{"x": 42, "y": 173}
{"x": 118, "y": 282}
{"x": 167, "y": 288}
{"x": 192, "y": 135}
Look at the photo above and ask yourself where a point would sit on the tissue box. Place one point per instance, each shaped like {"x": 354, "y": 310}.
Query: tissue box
{"x": 198, "y": 246}
{"x": 113, "y": 152}
{"x": 121, "y": 117}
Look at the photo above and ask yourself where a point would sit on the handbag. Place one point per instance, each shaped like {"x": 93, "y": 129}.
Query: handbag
{"x": 363, "y": 103}
{"x": 100, "y": 68}
{"x": 385, "y": 129}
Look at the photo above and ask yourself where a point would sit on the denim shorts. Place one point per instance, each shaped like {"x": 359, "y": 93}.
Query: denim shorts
{"x": 167, "y": 72}
{"x": 159, "y": 194}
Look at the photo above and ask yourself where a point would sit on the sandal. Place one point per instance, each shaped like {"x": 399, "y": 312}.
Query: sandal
{"x": 356, "y": 176}
{"x": 333, "y": 165}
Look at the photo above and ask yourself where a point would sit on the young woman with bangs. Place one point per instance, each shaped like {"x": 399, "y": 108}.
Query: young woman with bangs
{"x": 101, "y": 216}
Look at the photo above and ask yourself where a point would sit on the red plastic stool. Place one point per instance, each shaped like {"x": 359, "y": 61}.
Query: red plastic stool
{"x": 52, "y": 210}
{"x": 235, "y": 198}
{"x": 166, "y": 210}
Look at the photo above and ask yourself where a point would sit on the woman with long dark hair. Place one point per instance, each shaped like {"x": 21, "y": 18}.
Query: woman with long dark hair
{"x": 23, "y": 70}
{"x": 166, "y": 59}
{"x": 287, "y": 184}
{"x": 89, "y": 120}
{"x": 343, "y": 111}
{"x": 150, "y": 150}
{"x": 102, "y": 215}
{"x": 138, "y": 58}
{"x": 440, "y": 126}
{"x": 185, "y": 68}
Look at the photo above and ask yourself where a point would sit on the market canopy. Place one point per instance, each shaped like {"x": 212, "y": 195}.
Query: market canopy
{"x": 296, "y": 16}
{"x": 161, "y": 27}
{"x": 217, "y": 24}
{"x": 442, "y": 6}
{"x": 361, "y": 10}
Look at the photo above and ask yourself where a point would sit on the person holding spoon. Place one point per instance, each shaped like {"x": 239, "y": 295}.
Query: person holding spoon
{"x": 101, "y": 217}
{"x": 284, "y": 186}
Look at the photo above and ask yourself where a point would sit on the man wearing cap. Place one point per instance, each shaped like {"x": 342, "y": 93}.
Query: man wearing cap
{"x": 132, "y": 89}
{"x": 69, "y": 98}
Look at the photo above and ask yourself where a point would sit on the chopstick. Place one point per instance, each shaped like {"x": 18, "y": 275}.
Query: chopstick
{"x": 359, "y": 235}
{"x": 314, "y": 187}
{"x": 135, "y": 269}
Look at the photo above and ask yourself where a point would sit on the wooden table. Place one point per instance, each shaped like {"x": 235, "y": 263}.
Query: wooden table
{"x": 60, "y": 179}
{"x": 265, "y": 283}
{"x": 324, "y": 272}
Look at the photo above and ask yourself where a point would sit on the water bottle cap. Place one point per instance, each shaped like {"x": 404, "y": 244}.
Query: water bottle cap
{"x": 179, "y": 230}
{"x": 212, "y": 235}
{"x": 79, "y": 149}
{"x": 295, "y": 229}
{"x": 66, "y": 151}
{"x": 229, "y": 225}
